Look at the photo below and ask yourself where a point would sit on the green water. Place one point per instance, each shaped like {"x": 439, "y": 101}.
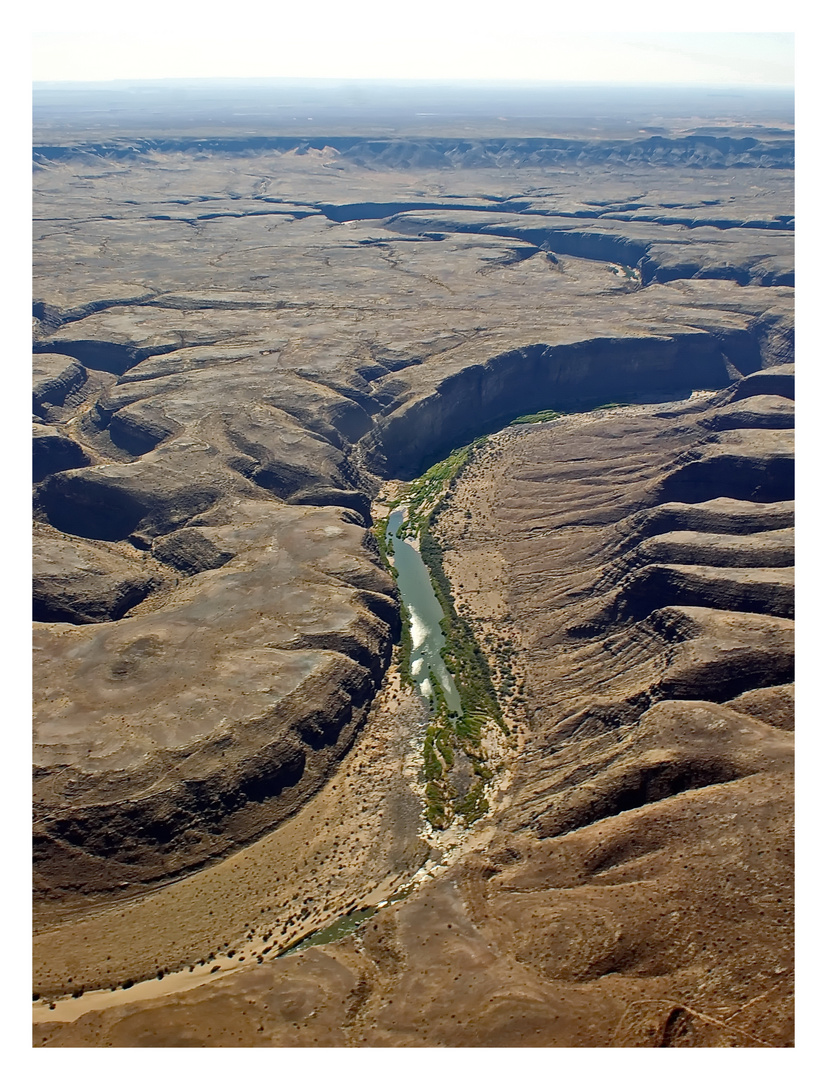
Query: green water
{"x": 425, "y": 612}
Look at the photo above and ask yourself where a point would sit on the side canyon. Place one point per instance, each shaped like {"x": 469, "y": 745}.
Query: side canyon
{"x": 244, "y": 350}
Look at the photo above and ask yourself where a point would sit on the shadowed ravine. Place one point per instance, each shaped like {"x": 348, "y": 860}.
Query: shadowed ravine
{"x": 238, "y": 362}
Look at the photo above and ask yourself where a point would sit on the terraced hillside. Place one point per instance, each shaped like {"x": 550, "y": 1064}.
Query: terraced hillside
{"x": 233, "y": 350}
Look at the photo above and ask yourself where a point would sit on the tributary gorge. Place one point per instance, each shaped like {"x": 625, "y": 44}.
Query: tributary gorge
{"x": 251, "y": 828}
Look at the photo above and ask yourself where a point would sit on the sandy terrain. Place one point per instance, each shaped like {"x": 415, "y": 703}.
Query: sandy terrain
{"x": 358, "y": 841}
{"x": 236, "y": 343}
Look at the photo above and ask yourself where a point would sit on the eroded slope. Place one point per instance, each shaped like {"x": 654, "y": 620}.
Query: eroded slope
{"x": 636, "y": 887}
{"x": 229, "y": 352}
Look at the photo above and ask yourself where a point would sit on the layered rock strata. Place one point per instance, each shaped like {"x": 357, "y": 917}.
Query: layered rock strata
{"x": 635, "y": 888}
{"x": 230, "y": 352}
{"x": 187, "y": 407}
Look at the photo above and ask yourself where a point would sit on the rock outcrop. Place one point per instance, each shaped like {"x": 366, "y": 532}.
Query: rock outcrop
{"x": 646, "y": 840}
{"x": 229, "y": 358}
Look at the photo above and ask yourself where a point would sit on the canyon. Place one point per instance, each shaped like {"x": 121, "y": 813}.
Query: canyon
{"x": 243, "y": 348}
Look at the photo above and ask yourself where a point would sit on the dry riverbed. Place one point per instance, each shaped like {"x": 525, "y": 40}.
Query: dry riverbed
{"x": 353, "y": 844}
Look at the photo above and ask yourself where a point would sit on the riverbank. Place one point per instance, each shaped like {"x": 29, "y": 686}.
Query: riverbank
{"x": 361, "y": 838}
{"x": 359, "y": 841}
{"x": 468, "y": 740}
{"x": 353, "y": 845}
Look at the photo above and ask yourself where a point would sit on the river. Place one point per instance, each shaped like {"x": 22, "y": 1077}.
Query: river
{"x": 425, "y": 613}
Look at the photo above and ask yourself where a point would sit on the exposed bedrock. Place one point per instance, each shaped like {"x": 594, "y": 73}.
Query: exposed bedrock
{"x": 211, "y": 799}
{"x": 192, "y": 551}
{"x": 139, "y": 427}
{"x": 773, "y": 380}
{"x": 114, "y": 504}
{"x": 114, "y": 357}
{"x": 715, "y": 654}
{"x": 700, "y": 259}
{"x": 674, "y": 652}
{"x": 660, "y": 252}
{"x": 755, "y": 465}
{"x": 738, "y": 517}
{"x": 609, "y": 241}
{"x": 79, "y": 582}
{"x": 767, "y": 548}
{"x": 177, "y": 479}
{"x": 758, "y": 411}
{"x": 54, "y": 451}
{"x": 54, "y": 378}
{"x": 581, "y": 375}
{"x": 676, "y": 746}
{"x": 705, "y": 589}
{"x": 773, "y": 547}
{"x": 169, "y": 737}
{"x": 188, "y": 383}
{"x": 695, "y": 150}
{"x": 769, "y": 590}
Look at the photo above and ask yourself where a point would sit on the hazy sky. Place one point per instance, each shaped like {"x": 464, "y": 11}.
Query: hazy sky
{"x": 461, "y": 39}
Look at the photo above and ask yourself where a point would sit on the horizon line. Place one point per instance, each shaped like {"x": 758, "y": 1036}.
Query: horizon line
{"x": 433, "y": 81}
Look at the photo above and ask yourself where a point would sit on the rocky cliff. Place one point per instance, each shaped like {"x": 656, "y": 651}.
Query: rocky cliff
{"x": 233, "y": 349}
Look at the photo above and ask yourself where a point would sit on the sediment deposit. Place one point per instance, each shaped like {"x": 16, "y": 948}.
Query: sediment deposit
{"x": 234, "y": 347}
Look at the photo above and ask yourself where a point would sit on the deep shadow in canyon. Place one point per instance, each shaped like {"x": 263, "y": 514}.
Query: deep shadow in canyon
{"x": 236, "y": 342}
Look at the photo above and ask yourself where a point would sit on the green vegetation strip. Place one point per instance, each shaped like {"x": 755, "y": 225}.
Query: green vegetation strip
{"x": 451, "y": 740}
{"x": 538, "y": 417}
{"x": 451, "y": 737}
{"x": 463, "y": 656}
{"x": 544, "y": 415}
{"x": 385, "y": 542}
{"x": 427, "y": 491}
{"x": 334, "y": 932}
